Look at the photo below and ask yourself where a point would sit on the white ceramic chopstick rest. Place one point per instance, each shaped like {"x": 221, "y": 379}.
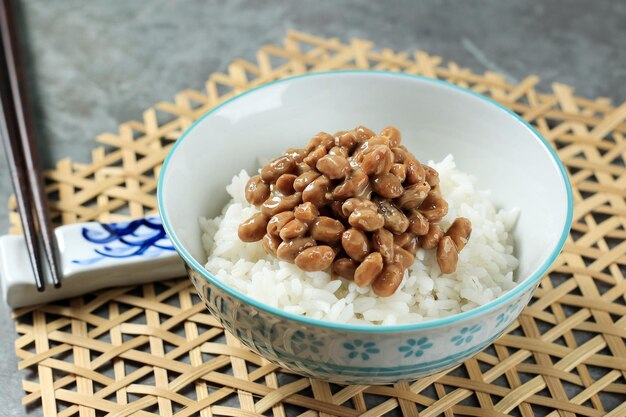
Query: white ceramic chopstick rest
{"x": 93, "y": 256}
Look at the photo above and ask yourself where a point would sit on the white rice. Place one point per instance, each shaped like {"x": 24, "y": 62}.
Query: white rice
{"x": 484, "y": 271}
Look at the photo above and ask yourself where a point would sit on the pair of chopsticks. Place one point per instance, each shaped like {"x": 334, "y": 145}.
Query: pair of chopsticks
{"x": 16, "y": 130}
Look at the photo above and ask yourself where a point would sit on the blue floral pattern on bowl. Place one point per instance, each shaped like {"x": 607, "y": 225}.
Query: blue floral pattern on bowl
{"x": 466, "y": 335}
{"x": 505, "y": 316}
{"x": 351, "y": 357}
{"x": 251, "y": 324}
{"x": 360, "y": 348}
{"x": 142, "y": 237}
{"x": 306, "y": 343}
{"x": 415, "y": 347}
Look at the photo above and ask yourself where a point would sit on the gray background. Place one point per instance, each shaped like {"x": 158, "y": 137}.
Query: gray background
{"x": 93, "y": 65}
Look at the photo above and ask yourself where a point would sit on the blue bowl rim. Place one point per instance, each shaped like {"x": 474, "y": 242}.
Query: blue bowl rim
{"x": 430, "y": 324}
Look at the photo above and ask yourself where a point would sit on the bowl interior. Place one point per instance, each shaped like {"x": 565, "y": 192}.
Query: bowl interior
{"x": 435, "y": 119}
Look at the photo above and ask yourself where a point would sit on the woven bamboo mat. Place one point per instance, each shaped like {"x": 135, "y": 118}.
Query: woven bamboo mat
{"x": 154, "y": 349}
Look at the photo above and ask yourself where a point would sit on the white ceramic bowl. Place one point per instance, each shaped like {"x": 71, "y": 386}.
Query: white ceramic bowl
{"x": 436, "y": 118}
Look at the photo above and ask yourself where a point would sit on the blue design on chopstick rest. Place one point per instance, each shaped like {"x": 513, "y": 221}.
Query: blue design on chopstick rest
{"x": 143, "y": 237}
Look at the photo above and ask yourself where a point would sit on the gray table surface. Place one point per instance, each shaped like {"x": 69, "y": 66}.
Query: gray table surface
{"x": 93, "y": 65}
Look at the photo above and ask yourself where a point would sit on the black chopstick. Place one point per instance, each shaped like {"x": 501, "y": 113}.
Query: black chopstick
{"x": 20, "y": 137}
{"x": 19, "y": 178}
